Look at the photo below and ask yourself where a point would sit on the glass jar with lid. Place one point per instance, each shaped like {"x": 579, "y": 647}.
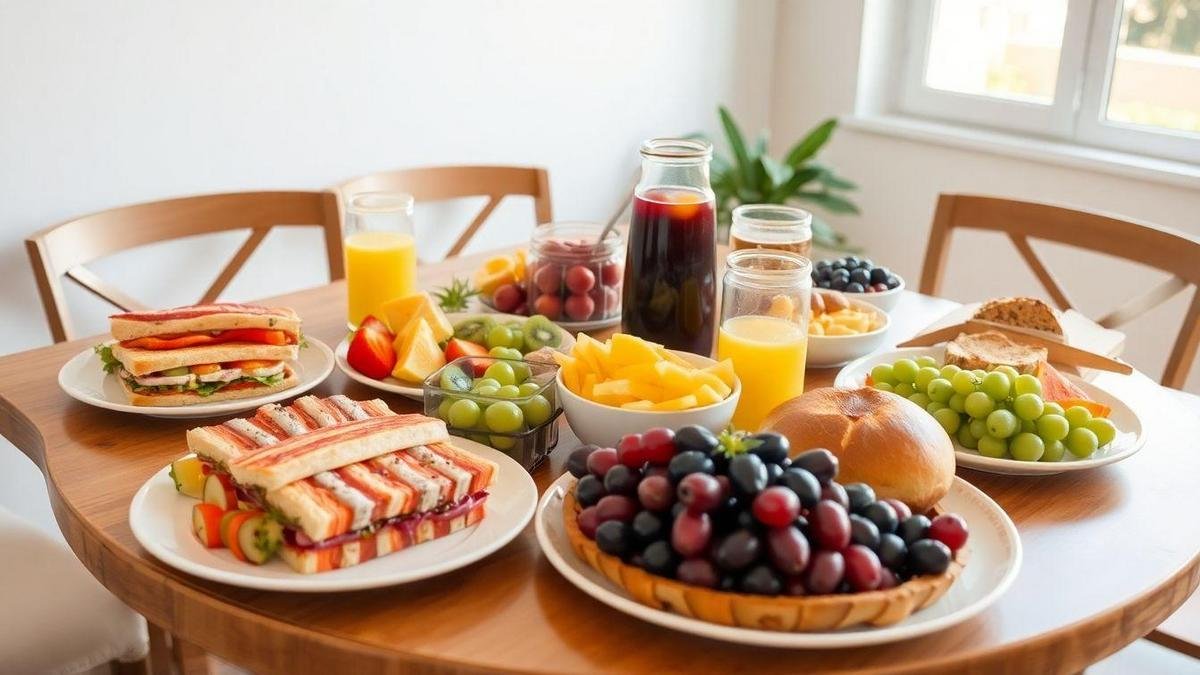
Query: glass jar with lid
{"x": 574, "y": 277}
{"x": 777, "y": 226}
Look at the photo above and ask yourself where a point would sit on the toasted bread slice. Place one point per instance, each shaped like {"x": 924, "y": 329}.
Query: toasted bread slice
{"x": 196, "y": 318}
{"x": 145, "y": 361}
{"x": 991, "y": 348}
{"x": 290, "y": 379}
{"x": 1022, "y": 312}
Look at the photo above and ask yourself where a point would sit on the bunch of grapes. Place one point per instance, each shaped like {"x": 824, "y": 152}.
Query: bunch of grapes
{"x": 999, "y": 412}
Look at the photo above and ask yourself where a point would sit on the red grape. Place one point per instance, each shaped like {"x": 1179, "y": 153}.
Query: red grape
{"x": 697, "y": 572}
{"x": 887, "y": 579}
{"x": 950, "y": 529}
{"x": 610, "y": 274}
{"x": 549, "y": 306}
{"x": 901, "y": 509}
{"x": 830, "y": 525}
{"x": 834, "y": 491}
{"x": 580, "y": 279}
{"x": 655, "y": 493}
{"x": 825, "y": 572}
{"x": 656, "y": 471}
{"x": 776, "y": 506}
{"x": 588, "y": 522}
{"x": 794, "y": 586}
{"x": 616, "y": 507}
{"x": 690, "y": 534}
{"x": 788, "y": 550}
{"x": 600, "y": 461}
{"x": 507, "y": 297}
{"x": 548, "y": 279}
{"x": 659, "y": 446}
{"x": 700, "y": 492}
{"x": 863, "y": 571}
{"x": 579, "y": 307}
{"x": 630, "y": 451}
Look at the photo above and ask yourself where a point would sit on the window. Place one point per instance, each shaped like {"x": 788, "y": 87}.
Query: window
{"x": 1120, "y": 74}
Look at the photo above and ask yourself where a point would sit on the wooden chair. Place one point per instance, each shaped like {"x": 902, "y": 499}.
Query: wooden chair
{"x": 63, "y": 250}
{"x": 1167, "y": 250}
{"x": 440, "y": 183}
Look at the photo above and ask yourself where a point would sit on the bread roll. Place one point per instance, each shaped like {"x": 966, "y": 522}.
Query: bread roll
{"x": 879, "y": 438}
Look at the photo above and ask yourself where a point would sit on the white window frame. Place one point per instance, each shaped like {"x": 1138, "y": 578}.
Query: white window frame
{"x": 1075, "y": 114}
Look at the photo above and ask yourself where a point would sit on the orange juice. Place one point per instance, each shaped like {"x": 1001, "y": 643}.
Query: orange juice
{"x": 768, "y": 355}
{"x": 380, "y": 266}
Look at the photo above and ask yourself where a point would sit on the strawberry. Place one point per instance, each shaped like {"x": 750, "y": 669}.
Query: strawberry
{"x": 457, "y": 348}
{"x": 372, "y": 324}
{"x": 371, "y": 352}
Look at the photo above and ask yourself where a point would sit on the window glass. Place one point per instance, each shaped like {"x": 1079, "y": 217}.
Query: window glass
{"x": 1156, "y": 75}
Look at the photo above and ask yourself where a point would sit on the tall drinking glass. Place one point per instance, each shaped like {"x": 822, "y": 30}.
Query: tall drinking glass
{"x": 381, "y": 253}
{"x": 764, "y": 328}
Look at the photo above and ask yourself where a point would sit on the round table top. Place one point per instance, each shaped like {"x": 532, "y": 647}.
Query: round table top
{"x": 1107, "y": 553}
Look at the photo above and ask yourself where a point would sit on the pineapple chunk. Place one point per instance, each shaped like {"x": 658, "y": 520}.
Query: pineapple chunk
{"x": 706, "y": 395}
{"x": 675, "y": 377}
{"x": 570, "y": 376}
{"x": 400, "y": 313}
{"x": 682, "y": 403}
{"x": 629, "y": 350}
{"x": 641, "y": 372}
{"x": 675, "y": 358}
{"x": 589, "y": 384}
{"x": 418, "y": 354}
{"x": 724, "y": 371}
{"x": 637, "y": 390}
{"x": 638, "y": 405}
{"x": 704, "y": 378}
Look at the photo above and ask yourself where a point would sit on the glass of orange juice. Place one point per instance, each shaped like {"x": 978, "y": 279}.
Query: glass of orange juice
{"x": 381, "y": 253}
{"x": 764, "y": 328}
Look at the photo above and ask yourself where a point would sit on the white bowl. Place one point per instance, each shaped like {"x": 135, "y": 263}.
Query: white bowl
{"x": 604, "y": 425}
{"x": 885, "y": 300}
{"x": 825, "y": 351}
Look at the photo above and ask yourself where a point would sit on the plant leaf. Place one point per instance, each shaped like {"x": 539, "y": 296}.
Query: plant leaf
{"x": 831, "y": 180}
{"x": 760, "y": 144}
{"x": 738, "y": 145}
{"x": 830, "y": 202}
{"x": 779, "y": 173}
{"x": 792, "y": 185}
{"x": 810, "y": 144}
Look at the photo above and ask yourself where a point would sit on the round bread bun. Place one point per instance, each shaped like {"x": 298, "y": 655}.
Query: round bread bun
{"x": 880, "y": 439}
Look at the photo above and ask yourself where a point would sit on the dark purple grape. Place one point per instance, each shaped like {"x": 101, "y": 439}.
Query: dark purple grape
{"x": 863, "y": 571}
{"x": 737, "y": 551}
{"x": 649, "y": 526}
{"x": 863, "y": 532}
{"x": 893, "y": 282}
{"x": 689, "y": 462}
{"x": 728, "y": 582}
{"x": 835, "y": 492}
{"x": 825, "y": 572}
{"x": 913, "y": 528}
{"x": 887, "y": 579}
{"x": 788, "y": 550}
{"x": 855, "y": 287}
{"x": 879, "y": 275}
{"x": 928, "y": 556}
{"x": 700, "y": 492}
{"x": 655, "y": 493}
{"x": 697, "y": 572}
{"x": 577, "y": 461}
{"x": 774, "y": 473}
{"x": 794, "y": 586}
{"x": 830, "y": 525}
{"x": 589, "y": 490}
{"x": 901, "y": 509}
{"x": 892, "y": 551}
{"x": 621, "y": 480}
{"x": 801, "y": 523}
{"x": 761, "y": 580}
{"x": 695, "y": 438}
{"x": 677, "y": 509}
{"x": 725, "y": 518}
{"x": 772, "y": 447}
{"x": 747, "y": 521}
{"x": 691, "y": 533}
{"x": 804, "y": 484}
{"x": 861, "y": 277}
{"x": 658, "y": 558}
{"x": 587, "y": 522}
{"x": 655, "y": 471}
{"x": 859, "y": 494}
{"x": 882, "y": 514}
{"x": 748, "y": 474}
{"x": 616, "y": 507}
{"x": 821, "y": 463}
{"x": 614, "y": 537}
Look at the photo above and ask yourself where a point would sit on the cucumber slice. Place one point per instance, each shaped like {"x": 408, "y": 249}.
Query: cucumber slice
{"x": 260, "y": 538}
{"x": 176, "y": 372}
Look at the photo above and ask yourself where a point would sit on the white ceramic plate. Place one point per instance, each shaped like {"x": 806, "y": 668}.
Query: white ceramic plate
{"x": 83, "y": 378}
{"x": 1130, "y": 434}
{"x": 569, "y": 326}
{"x": 161, "y": 520}
{"x": 995, "y": 559}
{"x": 415, "y": 391}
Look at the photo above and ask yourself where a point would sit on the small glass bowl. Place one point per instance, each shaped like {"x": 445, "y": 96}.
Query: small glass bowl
{"x": 528, "y": 445}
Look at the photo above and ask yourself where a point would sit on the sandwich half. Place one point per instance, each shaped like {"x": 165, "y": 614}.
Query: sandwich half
{"x": 202, "y": 353}
{"x": 348, "y": 480}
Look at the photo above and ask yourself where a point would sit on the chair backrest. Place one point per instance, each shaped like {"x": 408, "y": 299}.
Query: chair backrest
{"x": 1173, "y": 252}
{"x": 440, "y": 183}
{"x": 64, "y": 249}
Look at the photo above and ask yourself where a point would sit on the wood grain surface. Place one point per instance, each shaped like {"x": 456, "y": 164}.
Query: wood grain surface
{"x": 1109, "y": 553}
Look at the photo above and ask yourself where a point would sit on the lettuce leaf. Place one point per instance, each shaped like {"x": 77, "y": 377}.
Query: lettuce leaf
{"x": 269, "y": 380}
{"x": 111, "y": 364}
{"x": 209, "y": 388}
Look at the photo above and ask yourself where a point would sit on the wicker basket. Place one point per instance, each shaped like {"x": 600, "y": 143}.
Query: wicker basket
{"x": 779, "y": 613}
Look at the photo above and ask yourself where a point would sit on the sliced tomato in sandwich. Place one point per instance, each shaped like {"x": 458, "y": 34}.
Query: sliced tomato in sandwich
{"x": 256, "y": 335}
{"x": 371, "y": 352}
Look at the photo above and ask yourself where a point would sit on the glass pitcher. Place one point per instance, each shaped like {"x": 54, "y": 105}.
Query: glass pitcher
{"x": 381, "y": 252}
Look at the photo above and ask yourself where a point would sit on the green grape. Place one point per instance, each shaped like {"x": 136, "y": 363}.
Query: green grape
{"x": 485, "y": 382}
{"x": 979, "y": 373}
{"x": 905, "y": 370}
{"x": 1052, "y": 427}
{"x": 934, "y": 406}
{"x": 978, "y": 428}
{"x": 1028, "y": 426}
{"x": 487, "y": 390}
{"x": 537, "y": 410}
{"x": 521, "y": 372}
{"x": 1054, "y": 451}
{"x": 464, "y": 414}
{"x": 964, "y": 382}
{"x": 529, "y": 389}
{"x": 1007, "y": 370}
{"x": 949, "y": 420}
{"x": 924, "y": 376}
{"x": 514, "y": 353}
{"x": 508, "y": 391}
{"x": 443, "y": 410}
{"x": 949, "y": 370}
{"x": 1002, "y": 424}
{"x": 956, "y": 403}
{"x": 904, "y": 389}
{"x": 996, "y": 385}
{"x": 883, "y": 373}
{"x": 979, "y": 404}
{"x": 502, "y": 336}
{"x": 502, "y": 442}
{"x": 1027, "y": 384}
{"x": 884, "y": 386}
{"x": 1027, "y": 447}
{"x": 479, "y": 438}
{"x": 919, "y": 398}
{"x": 1077, "y": 416}
{"x": 993, "y": 447}
{"x": 940, "y": 390}
{"x": 503, "y": 417}
{"x": 1028, "y": 406}
{"x": 498, "y": 352}
{"x": 965, "y": 438}
{"x": 926, "y": 362}
{"x": 1082, "y": 442}
{"x": 1105, "y": 430}
{"x": 1051, "y": 408}
{"x": 502, "y": 372}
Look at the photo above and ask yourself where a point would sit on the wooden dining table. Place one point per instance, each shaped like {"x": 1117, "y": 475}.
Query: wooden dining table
{"x": 1108, "y": 553}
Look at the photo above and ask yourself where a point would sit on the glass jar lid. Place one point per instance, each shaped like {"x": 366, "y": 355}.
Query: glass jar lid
{"x": 381, "y": 202}
{"x": 769, "y": 269}
{"x": 774, "y": 223}
{"x": 575, "y": 240}
{"x": 677, "y": 148}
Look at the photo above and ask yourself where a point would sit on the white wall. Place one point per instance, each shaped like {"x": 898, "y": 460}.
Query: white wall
{"x": 105, "y": 104}
{"x": 816, "y": 72}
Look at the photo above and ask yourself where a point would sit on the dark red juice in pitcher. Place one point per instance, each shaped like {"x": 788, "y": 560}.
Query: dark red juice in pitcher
{"x": 670, "y": 280}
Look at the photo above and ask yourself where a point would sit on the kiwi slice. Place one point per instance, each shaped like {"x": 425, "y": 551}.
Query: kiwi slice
{"x": 474, "y": 329}
{"x": 454, "y": 379}
{"x": 541, "y": 332}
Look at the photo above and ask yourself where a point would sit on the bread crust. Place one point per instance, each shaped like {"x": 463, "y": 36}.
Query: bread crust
{"x": 1022, "y": 312}
{"x": 290, "y": 379}
{"x": 129, "y": 329}
{"x": 145, "y": 361}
